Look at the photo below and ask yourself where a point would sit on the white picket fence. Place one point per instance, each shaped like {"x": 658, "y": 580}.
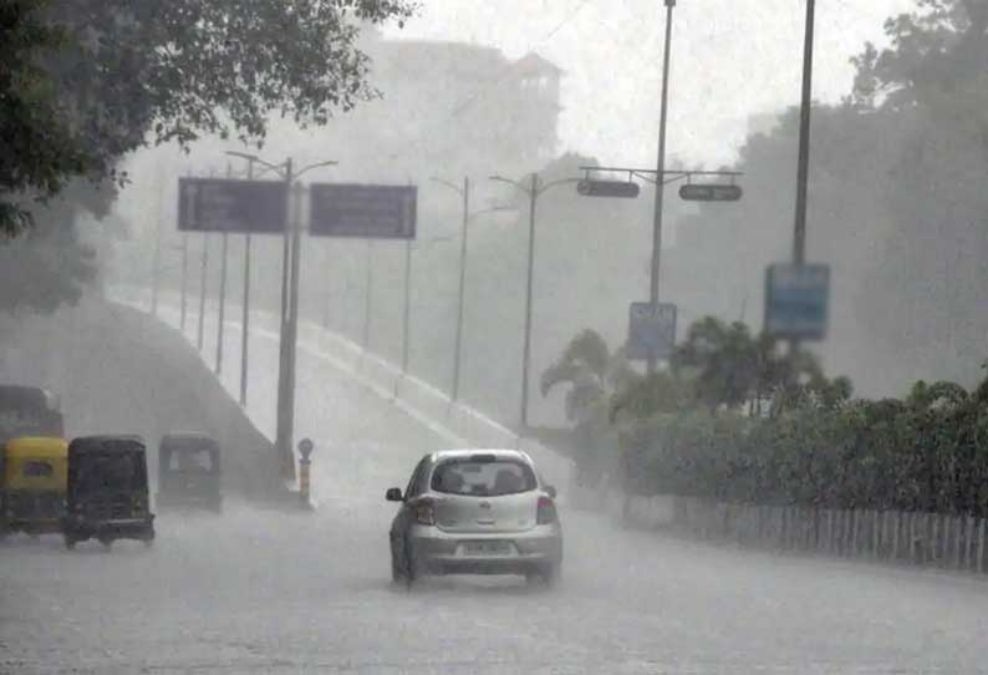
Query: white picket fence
{"x": 955, "y": 542}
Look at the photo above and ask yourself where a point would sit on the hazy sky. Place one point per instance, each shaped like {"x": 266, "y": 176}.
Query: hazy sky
{"x": 731, "y": 58}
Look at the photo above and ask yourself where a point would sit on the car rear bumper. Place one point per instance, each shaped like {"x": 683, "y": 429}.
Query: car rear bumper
{"x": 439, "y": 552}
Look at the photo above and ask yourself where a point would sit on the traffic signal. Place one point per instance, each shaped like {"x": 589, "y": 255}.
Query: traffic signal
{"x": 607, "y": 188}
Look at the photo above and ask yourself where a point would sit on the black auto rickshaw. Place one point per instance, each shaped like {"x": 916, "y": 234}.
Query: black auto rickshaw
{"x": 189, "y": 472}
{"x": 107, "y": 491}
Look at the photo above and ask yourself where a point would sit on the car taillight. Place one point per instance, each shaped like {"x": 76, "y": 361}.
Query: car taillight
{"x": 546, "y": 513}
{"x": 425, "y": 512}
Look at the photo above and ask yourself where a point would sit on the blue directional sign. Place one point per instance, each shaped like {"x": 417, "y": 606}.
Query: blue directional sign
{"x": 651, "y": 330}
{"x": 370, "y": 211}
{"x": 225, "y": 205}
{"x": 796, "y": 301}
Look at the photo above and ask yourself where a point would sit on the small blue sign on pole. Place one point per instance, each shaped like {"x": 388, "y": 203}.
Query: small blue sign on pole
{"x": 797, "y": 301}
{"x": 651, "y": 330}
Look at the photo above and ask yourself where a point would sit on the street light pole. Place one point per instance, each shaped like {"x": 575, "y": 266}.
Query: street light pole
{"x": 527, "y": 352}
{"x": 296, "y": 259}
{"x": 458, "y": 348}
{"x": 288, "y": 335}
{"x": 283, "y": 439}
{"x": 245, "y": 318}
{"x": 221, "y": 315}
{"x": 802, "y": 171}
{"x": 534, "y": 190}
{"x": 660, "y": 168}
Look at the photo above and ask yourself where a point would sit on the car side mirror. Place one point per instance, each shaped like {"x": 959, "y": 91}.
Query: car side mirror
{"x": 551, "y": 491}
{"x": 394, "y": 495}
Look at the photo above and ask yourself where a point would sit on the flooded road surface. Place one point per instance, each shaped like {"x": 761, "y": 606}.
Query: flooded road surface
{"x": 271, "y": 591}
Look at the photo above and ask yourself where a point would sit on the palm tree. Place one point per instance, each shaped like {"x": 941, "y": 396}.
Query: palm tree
{"x": 592, "y": 372}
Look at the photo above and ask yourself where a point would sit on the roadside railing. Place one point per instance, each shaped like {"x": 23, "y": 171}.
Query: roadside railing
{"x": 954, "y": 542}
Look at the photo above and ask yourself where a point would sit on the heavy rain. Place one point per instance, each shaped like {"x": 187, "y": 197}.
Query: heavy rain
{"x": 505, "y": 336}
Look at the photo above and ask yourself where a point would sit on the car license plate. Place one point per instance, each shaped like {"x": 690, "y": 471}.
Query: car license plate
{"x": 487, "y": 548}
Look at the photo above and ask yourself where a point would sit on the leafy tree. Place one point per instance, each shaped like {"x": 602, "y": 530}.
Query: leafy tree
{"x": 932, "y": 77}
{"x": 82, "y": 82}
{"x": 724, "y": 360}
{"x": 38, "y": 149}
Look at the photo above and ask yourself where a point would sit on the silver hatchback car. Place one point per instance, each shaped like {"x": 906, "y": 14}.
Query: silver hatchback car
{"x": 476, "y": 512}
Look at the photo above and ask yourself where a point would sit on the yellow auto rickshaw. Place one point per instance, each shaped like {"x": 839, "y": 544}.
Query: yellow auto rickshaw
{"x": 32, "y": 494}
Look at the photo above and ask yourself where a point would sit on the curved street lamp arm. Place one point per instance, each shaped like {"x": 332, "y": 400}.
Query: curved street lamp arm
{"x": 502, "y": 179}
{"x": 317, "y": 165}
{"x": 491, "y": 209}
{"x": 258, "y": 160}
{"x": 561, "y": 181}
{"x": 443, "y": 181}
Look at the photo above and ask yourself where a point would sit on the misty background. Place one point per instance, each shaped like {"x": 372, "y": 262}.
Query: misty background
{"x": 895, "y": 197}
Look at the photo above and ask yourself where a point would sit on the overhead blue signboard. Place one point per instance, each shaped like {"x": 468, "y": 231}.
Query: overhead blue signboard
{"x": 651, "y": 330}
{"x": 225, "y": 205}
{"x": 797, "y": 301}
{"x": 368, "y": 211}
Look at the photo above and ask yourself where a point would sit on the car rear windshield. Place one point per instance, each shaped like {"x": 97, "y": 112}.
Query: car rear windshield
{"x": 483, "y": 477}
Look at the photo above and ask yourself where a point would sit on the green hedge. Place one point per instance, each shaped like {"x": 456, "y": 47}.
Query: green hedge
{"x": 873, "y": 455}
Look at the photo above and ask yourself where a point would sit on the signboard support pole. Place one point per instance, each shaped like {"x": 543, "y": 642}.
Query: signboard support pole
{"x": 202, "y": 290}
{"x": 458, "y": 350}
{"x": 368, "y": 296}
{"x": 407, "y": 309}
{"x": 661, "y": 163}
{"x": 185, "y": 281}
{"x": 156, "y": 268}
{"x": 222, "y": 311}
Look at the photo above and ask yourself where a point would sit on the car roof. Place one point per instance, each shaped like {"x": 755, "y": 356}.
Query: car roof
{"x": 498, "y": 453}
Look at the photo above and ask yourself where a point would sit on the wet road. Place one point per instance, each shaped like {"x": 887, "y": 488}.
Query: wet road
{"x": 270, "y": 591}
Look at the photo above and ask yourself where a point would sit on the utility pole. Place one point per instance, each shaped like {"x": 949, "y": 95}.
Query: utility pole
{"x": 660, "y": 170}
{"x": 803, "y": 162}
{"x": 534, "y": 190}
